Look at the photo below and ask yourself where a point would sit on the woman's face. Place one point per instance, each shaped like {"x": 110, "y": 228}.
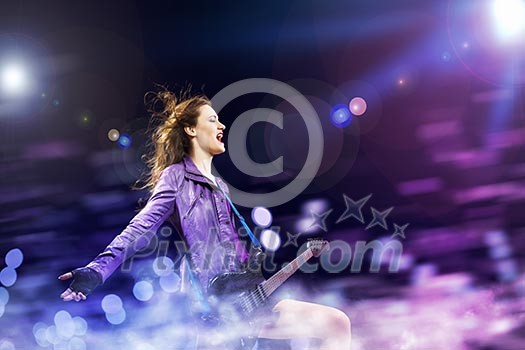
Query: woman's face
{"x": 209, "y": 131}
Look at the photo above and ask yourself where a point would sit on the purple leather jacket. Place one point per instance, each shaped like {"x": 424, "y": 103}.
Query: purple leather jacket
{"x": 197, "y": 209}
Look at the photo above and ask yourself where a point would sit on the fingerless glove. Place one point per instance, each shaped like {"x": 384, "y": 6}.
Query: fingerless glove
{"x": 85, "y": 280}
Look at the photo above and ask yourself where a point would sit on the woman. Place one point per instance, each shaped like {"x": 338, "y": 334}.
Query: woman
{"x": 184, "y": 191}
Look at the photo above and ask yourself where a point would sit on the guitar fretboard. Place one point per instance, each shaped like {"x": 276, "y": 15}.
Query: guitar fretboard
{"x": 270, "y": 285}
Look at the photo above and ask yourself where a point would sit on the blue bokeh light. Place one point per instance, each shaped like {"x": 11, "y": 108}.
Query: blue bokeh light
{"x": 4, "y": 296}
{"x": 51, "y": 335}
{"x": 124, "y": 141}
{"x": 340, "y": 116}
{"x": 117, "y": 317}
{"x": 500, "y": 251}
{"x": 170, "y": 283}
{"x": 143, "y": 290}
{"x": 507, "y": 270}
{"x": 37, "y": 326}
{"x": 77, "y": 344}
{"x": 162, "y": 266}
{"x": 65, "y": 324}
{"x": 81, "y": 325}
{"x": 6, "y": 345}
{"x": 111, "y": 303}
{"x": 14, "y": 258}
{"x": 39, "y": 331}
{"x": 446, "y": 56}
{"x": 8, "y": 276}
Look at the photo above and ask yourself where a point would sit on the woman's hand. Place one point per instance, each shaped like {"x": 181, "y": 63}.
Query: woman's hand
{"x": 85, "y": 280}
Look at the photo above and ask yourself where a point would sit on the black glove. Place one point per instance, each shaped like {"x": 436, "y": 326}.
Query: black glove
{"x": 85, "y": 280}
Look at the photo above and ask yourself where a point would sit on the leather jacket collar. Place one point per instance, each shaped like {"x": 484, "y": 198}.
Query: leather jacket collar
{"x": 193, "y": 173}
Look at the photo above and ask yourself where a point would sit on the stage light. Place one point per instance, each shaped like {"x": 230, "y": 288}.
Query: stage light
{"x": 14, "y": 79}
{"x": 509, "y": 18}
{"x": 340, "y": 116}
{"x": 261, "y": 216}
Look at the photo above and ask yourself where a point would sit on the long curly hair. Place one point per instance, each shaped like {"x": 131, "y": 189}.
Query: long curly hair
{"x": 169, "y": 142}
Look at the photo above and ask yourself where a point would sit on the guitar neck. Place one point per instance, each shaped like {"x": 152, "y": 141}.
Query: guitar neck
{"x": 270, "y": 285}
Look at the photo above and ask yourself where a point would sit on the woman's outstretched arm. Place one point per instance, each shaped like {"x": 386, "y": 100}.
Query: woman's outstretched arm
{"x": 133, "y": 238}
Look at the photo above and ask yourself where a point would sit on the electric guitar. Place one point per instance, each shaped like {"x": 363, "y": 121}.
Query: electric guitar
{"x": 238, "y": 298}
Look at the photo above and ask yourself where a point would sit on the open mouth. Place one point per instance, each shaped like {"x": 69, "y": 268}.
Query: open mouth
{"x": 219, "y": 136}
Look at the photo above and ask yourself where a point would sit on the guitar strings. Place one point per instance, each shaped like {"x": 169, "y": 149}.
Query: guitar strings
{"x": 247, "y": 300}
{"x": 259, "y": 297}
{"x": 256, "y": 298}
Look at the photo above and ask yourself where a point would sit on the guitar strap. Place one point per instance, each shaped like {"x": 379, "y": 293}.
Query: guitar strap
{"x": 254, "y": 239}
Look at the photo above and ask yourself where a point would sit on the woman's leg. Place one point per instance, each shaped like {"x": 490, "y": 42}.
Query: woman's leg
{"x": 299, "y": 319}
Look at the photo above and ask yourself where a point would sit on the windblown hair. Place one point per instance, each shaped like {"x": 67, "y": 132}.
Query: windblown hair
{"x": 169, "y": 142}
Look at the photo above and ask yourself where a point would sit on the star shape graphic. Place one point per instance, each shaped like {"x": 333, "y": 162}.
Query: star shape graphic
{"x": 319, "y": 219}
{"x": 353, "y": 208}
{"x": 292, "y": 239}
{"x": 399, "y": 231}
{"x": 379, "y": 218}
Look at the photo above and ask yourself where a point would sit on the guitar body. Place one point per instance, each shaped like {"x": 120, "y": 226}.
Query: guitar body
{"x": 234, "y": 283}
{"x": 238, "y": 300}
